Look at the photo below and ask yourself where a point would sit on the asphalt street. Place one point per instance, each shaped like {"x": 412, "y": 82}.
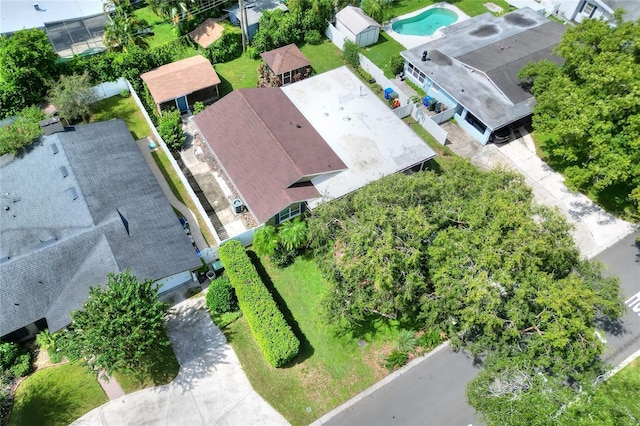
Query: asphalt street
{"x": 433, "y": 392}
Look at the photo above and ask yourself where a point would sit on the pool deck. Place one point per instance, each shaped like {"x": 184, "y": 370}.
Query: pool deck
{"x": 410, "y": 41}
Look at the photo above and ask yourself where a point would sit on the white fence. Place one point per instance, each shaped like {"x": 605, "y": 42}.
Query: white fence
{"x": 111, "y": 88}
{"x": 444, "y": 115}
{"x": 404, "y": 111}
{"x": 335, "y": 36}
{"x": 430, "y": 126}
{"x": 174, "y": 164}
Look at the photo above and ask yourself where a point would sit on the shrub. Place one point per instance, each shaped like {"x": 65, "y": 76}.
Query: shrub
{"x": 397, "y": 64}
{"x": 14, "y": 360}
{"x": 407, "y": 340}
{"x": 124, "y": 93}
{"x": 22, "y": 132}
{"x": 268, "y": 326}
{"x": 395, "y": 359}
{"x": 429, "y": 339}
{"x": 170, "y": 129}
{"x": 227, "y": 47}
{"x": 252, "y": 52}
{"x": 266, "y": 240}
{"x": 198, "y": 107}
{"x": 283, "y": 257}
{"x": 221, "y": 298}
{"x": 313, "y": 37}
{"x": 351, "y": 54}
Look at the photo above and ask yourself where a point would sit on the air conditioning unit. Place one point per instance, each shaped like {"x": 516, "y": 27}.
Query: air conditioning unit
{"x": 238, "y": 206}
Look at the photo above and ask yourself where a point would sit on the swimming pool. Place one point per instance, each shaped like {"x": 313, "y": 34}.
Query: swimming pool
{"x": 426, "y": 23}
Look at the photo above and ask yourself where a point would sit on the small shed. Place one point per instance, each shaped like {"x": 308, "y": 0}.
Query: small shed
{"x": 180, "y": 84}
{"x": 357, "y": 26}
{"x": 287, "y": 63}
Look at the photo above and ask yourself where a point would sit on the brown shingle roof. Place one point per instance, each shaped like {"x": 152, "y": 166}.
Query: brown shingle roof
{"x": 180, "y": 78}
{"x": 265, "y": 145}
{"x": 286, "y": 58}
{"x": 207, "y": 32}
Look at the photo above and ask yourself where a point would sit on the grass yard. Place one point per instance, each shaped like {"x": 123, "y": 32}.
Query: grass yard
{"x": 329, "y": 369}
{"x": 237, "y": 74}
{"x": 616, "y": 402}
{"x": 125, "y": 109}
{"x": 162, "y": 368}
{"x": 323, "y": 57}
{"x": 470, "y": 7}
{"x": 381, "y": 52}
{"x": 162, "y": 29}
{"x": 56, "y": 396}
{"x": 179, "y": 190}
{"x": 445, "y": 154}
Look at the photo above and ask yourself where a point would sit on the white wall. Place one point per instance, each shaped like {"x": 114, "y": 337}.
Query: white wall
{"x": 111, "y": 88}
{"x": 368, "y": 37}
{"x": 173, "y": 281}
{"x": 430, "y": 126}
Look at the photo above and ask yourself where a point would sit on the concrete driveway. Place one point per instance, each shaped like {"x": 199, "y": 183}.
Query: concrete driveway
{"x": 595, "y": 229}
{"x": 210, "y": 388}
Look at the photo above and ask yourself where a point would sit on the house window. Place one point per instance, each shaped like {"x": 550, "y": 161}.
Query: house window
{"x": 290, "y": 212}
{"x": 416, "y": 73}
{"x": 588, "y": 9}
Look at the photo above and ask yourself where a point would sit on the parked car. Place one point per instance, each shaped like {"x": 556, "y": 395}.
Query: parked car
{"x": 503, "y": 135}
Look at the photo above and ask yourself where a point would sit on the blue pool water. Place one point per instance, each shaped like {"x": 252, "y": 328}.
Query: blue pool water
{"x": 426, "y": 23}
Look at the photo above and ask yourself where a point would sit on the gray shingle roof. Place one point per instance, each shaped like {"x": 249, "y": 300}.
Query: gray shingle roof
{"x": 57, "y": 248}
{"x": 477, "y": 62}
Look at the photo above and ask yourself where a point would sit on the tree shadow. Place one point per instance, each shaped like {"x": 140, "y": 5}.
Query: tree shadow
{"x": 614, "y": 327}
{"x": 306, "y": 349}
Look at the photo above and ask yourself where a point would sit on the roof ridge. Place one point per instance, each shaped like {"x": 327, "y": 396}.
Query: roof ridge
{"x": 268, "y": 130}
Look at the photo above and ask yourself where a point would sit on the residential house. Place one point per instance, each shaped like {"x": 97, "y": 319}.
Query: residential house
{"x": 289, "y": 148}
{"x": 357, "y": 26}
{"x": 252, "y": 12}
{"x": 180, "y": 84}
{"x": 287, "y": 63}
{"x": 77, "y": 205}
{"x": 473, "y": 69}
{"x": 578, "y": 10}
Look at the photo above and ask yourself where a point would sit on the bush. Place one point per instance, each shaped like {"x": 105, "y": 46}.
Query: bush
{"x": 268, "y": 326}
{"x": 221, "y": 298}
{"x": 395, "y": 359}
{"x": 22, "y": 132}
{"x": 14, "y": 360}
{"x": 227, "y": 47}
{"x": 351, "y": 54}
{"x": 198, "y": 107}
{"x": 252, "y": 52}
{"x": 313, "y": 37}
{"x": 429, "y": 339}
{"x": 407, "y": 341}
{"x": 124, "y": 93}
{"x": 397, "y": 64}
{"x": 283, "y": 257}
{"x": 170, "y": 129}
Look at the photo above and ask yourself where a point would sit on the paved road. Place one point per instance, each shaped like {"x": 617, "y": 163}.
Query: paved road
{"x": 433, "y": 392}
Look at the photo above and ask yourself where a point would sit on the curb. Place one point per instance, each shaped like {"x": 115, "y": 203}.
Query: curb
{"x": 328, "y": 416}
{"x": 628, "y": 360}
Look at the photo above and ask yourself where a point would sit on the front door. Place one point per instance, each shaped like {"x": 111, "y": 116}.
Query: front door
{"x": 182, "y": 103}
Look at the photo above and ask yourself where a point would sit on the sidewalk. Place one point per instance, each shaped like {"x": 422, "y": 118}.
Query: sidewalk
{"x": 210, "y": 388}
{"x": 143, "y": 145}
{"x": 110, "y": 386}
{"x": 595, "y": 229}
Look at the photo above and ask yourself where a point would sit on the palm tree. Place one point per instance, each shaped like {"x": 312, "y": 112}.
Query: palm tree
{"x": 293, "y": 234}
{"x": 266, "y": 241}
{"x": 123, "y": 30}
{"x": 175, "y": 10}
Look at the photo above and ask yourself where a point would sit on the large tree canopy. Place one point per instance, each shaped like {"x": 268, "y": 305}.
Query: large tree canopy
{"x": 27, "y": 63}
{"x": 119, "y": 326}
{"x": 466, "y": 252}
{"x": 588, "y": 110}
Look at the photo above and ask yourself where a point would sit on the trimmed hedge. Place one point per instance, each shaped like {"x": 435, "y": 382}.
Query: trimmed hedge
{"x": 269, "y": 328}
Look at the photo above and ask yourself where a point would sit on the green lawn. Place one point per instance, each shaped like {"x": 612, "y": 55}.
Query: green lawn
{"x": 470, "y": 7}
{"x": 615, "y": 403}
{"x": 329, "y": 369}
{"x": 237, "y": 74}
{"x": 126, "y": 109}
{"x": 323, "y": 57}
{"x": 56, "y": 396}
{"x": 381, "y": 52}
{"x": 162, "y": 368}
{"x": 162, "y": 29}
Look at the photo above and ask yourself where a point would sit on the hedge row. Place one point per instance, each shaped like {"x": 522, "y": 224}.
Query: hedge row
{"x": 269, "y": 328}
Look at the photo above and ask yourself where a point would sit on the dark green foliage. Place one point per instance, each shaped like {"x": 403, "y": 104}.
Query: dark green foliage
{"x": 429, "y": 339}
{"x": 378, "y": 10}
{"x": 227, "y": 47}
{"x": 14, "y": 361}
{"x": 293, "y": 234}
{"x": 269, "y": 328}
{"x": 587, "y": 111}
{"x": 266, "y": 241}
{"x": 397, "y": 64}
{"x": 313, "y": 37}
{"x": 283, "y": 257}
{"x": 407, "y": 340}
{"x": 170, "y": 130}
{"x": 350, "y": 54}
{"x": 198, "y": 107}
{"x": 74, "y": 96}
{"x": 21, "y": 132}
{"x": 221, "y": 297}
{"x": 27, "y": 64}
{"x": 119, "y": 325}
{"x": 395, "y": 360}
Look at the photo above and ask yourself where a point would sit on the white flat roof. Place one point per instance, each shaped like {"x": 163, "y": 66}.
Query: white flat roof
{"x": 361, "y": 129}
{"x": 21, "y": 14}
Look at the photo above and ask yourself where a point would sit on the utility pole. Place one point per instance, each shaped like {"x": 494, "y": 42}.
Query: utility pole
{"x": 243, "y": 25}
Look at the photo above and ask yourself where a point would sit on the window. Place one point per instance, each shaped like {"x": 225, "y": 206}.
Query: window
{"x": 588, "y": 9}
{"x": 416, "y": 73}
{"x": 288, "y": 213}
